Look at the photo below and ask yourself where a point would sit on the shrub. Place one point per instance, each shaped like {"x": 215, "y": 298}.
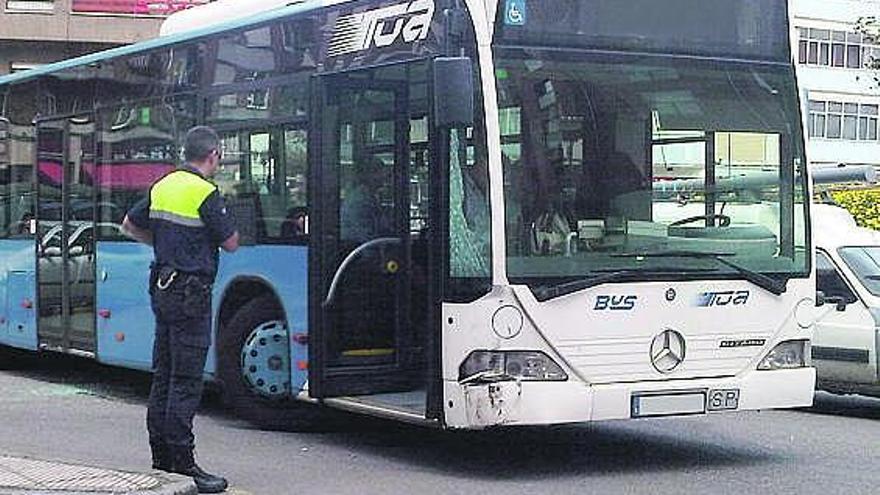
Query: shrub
{"x": 863, "y": 205}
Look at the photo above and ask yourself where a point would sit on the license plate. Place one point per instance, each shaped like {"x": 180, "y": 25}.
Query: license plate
{"x": 668, "y": 404}
{"x": 723, "y": 400}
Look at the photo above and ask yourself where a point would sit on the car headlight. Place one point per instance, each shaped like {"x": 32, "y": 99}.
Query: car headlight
{"x": 494, "y": 366}
{"x": 787, "y": 355}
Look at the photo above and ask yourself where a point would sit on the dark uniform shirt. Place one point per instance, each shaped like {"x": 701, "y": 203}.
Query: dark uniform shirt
{"x": 188, "y": 219}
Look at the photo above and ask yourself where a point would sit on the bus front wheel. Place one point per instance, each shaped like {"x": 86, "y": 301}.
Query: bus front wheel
{"x": 254, "y": 368}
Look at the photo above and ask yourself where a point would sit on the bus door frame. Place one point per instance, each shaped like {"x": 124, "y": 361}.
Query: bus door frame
{"x": 64, "y": 340}
{"x": 323, "y": 383}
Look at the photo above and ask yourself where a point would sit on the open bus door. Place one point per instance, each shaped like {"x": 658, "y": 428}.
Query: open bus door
{"x": 369, "y": 286}
{"x": 65, "y": 235}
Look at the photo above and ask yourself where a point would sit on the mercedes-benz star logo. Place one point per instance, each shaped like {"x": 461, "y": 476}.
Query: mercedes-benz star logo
{"x": 667, "y": 351}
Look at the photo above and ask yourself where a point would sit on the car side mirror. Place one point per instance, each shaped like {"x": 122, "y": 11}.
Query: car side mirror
{"x": 839, "y": 302}
{"x": 820, "y": 299}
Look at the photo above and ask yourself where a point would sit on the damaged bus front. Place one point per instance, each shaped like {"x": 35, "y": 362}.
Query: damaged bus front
{"x": 650, "y": 239}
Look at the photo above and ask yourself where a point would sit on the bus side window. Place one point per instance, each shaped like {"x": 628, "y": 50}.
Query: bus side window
{"x": 263, "y": 178}
{"x": 469, "y": 241}
{"x": 286, "y": 201}
{"x": 264, "y": 167}
{"x": 137, "y": 147}
{"x": 16, "y": 179}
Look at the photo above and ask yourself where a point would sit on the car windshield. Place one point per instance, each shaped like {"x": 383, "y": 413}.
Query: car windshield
{"x": 648, "y": 164}
{"x": 865, "y": 262}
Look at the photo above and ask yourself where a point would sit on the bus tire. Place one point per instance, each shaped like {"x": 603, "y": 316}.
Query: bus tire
{"x": 278, "y": 414}
{"x": 12, "y": 358}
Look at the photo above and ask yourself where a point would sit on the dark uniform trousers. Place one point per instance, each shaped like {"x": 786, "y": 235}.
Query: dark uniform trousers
{"x": 183, "y": 326}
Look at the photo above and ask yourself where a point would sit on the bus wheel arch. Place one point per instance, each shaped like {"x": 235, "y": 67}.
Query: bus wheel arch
{"x": 252, "y": 331}
{"x": 239, "y": 293}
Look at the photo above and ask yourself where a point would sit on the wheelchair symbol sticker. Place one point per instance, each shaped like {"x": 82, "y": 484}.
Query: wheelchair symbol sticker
{"x": 515, "y": 13}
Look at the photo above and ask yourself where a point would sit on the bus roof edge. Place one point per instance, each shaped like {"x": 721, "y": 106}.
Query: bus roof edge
{"x": 220, "y": 11}
{"x": 255, "y": 17}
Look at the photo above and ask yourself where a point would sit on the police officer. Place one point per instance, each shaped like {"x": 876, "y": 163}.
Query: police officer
{"x": 185, "y": 220}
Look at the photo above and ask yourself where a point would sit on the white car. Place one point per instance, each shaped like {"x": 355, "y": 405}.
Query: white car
{"x": 847, "y": 337}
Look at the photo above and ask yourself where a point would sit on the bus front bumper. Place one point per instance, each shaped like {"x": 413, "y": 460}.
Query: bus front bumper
{"x": 484, "y": 405}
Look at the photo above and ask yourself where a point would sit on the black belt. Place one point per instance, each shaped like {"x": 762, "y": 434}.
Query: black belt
{"x": 167, "y": 277}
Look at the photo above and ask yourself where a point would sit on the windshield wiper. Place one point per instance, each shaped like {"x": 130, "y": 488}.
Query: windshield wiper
{"x": 547, "y": 292}
{"x": 766, "y": 282}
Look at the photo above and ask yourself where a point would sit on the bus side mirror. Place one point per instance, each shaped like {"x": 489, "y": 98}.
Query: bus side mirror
{"x": 453, "y": 92}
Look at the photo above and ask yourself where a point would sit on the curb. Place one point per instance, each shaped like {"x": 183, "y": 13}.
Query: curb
{"x": 28, "y": 476}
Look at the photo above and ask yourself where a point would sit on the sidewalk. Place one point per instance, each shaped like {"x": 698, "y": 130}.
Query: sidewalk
{"x": 23, "y": 476}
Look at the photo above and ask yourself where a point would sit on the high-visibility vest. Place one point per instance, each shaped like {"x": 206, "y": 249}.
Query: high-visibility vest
{"x": 177, "y": 197}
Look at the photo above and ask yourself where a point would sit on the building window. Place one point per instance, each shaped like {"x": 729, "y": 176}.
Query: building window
{"x": 835, "y": 120}
{"x": 31, "y": 5}
{"x": 869, "y": 119}
{"x": 817, "y": 118}
{"x": 827, "y": 48}
{"x": 843, "y": 120}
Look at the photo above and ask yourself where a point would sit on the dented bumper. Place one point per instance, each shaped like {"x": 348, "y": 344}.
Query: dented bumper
{"x": 509, "y": 403}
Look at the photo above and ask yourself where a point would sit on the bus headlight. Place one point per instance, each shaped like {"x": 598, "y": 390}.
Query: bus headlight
{"x": 787, "y": 355}
{"x": 495, "y": 366}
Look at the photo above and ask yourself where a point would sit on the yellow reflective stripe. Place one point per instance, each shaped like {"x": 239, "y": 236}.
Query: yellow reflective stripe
{"x": 179, "y": 220}
{"x": 179, "y": 195}
{"x": 368, "y": 352}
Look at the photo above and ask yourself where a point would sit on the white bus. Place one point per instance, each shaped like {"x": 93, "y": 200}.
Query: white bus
{"x": 475, "y": 213}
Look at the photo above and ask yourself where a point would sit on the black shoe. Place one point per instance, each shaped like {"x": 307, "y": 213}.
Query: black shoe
{"x": 161, "y": 456}
{"x": 185, "y": 464}
{"x": 205, "y": 482}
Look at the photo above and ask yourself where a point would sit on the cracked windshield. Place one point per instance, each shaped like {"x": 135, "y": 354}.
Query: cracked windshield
{"x": 648, "y": 166}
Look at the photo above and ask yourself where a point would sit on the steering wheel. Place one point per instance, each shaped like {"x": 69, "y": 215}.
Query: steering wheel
{"x": 724, "y": 220}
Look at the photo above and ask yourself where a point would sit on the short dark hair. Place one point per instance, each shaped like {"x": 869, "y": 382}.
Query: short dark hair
{"x": 201, "y": 141}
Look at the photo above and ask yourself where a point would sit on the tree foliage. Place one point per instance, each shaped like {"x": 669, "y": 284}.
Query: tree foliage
{"x": 869, "y": 26}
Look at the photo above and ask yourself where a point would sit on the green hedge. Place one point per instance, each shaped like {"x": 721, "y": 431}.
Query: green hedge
{"x": 863, "y": 204}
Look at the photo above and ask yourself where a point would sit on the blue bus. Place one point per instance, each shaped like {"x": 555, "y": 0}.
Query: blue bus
{"x": 463, "y": 213}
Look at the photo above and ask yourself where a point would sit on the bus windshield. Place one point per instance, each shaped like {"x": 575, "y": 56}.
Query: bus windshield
{"x": 647, "y": 166}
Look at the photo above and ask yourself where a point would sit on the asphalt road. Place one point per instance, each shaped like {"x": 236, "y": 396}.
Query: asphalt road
{"x": 67, "y": 409}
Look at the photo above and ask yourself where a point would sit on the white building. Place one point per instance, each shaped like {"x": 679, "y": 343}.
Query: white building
{"x": 841, "y": 97}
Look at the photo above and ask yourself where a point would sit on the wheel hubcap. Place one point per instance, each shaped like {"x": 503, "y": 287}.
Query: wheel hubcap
{"x": 265, "y": 360}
